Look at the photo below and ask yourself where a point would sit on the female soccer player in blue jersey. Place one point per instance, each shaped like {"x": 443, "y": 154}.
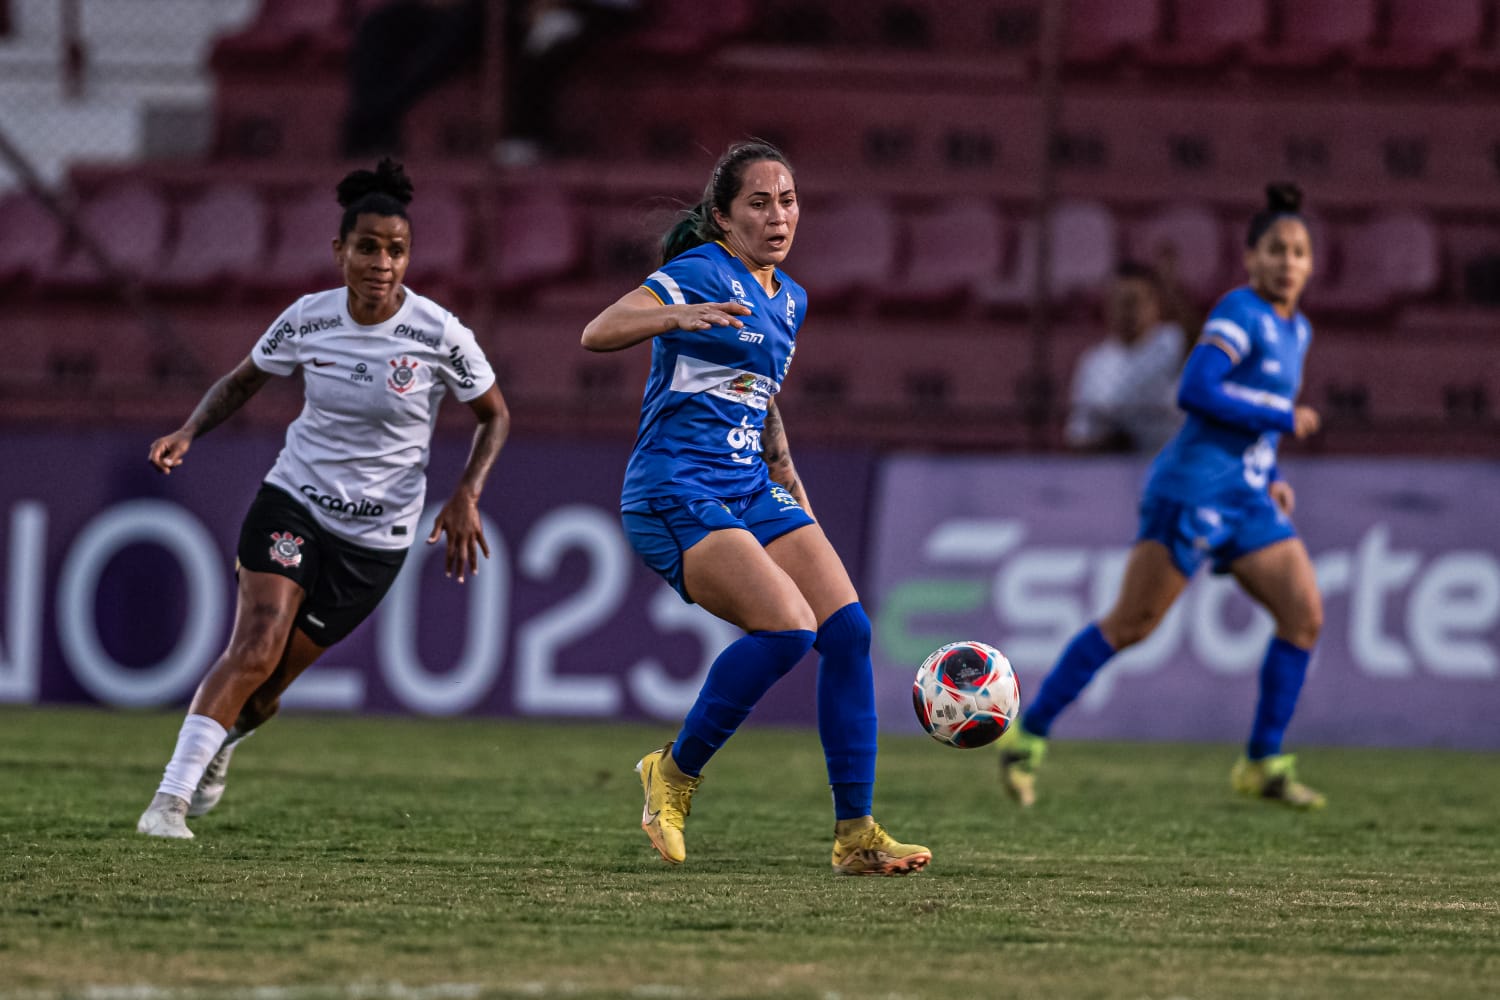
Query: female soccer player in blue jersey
{"x": 1214, "y": 491}
{"x": 713, "y": 504}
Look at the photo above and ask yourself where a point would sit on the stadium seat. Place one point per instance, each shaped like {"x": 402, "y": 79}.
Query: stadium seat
{"x": 1384, "y": 261}
{"x": 539, "y": 242}
{"x": 221, "y": 238}
{"x": 281, "y": 32}
{"x": 301, "y": 258}
{"x": 1101, "y": 32}
{"x": 687, "y": 27}
{"x": 1196, "y": 238}
{"x": 954, "y": 247}
{"x": 1424, "y": 35}
{"x": 1207, "y": 34}
{"x": 30, "y": 238}
{"x": 1084, "y": 246}
{"x": 846, "y": 251}
{"x": 128, "y": 223}
{"x": 1317, "y": 33}
{"x": 1083, "y": 253}
{"x": 440, "y": 258}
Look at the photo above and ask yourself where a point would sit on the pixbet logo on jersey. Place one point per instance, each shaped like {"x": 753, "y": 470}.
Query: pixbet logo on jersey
{"x": 403, "y": 374}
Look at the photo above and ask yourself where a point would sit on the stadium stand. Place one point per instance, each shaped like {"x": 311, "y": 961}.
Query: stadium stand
{"x": 1103, "y": 32}
{"x": 129, "y": 223}
{"x": 1196, "y": 239}
{"x": 1317, "y": 34}
{"x": 30, "y": 239}
{"x": 1209, "y": 34}
{"x": 1425, "y": 35}
{"x": 221, "y": 240}
{"x": 849, "y": 253}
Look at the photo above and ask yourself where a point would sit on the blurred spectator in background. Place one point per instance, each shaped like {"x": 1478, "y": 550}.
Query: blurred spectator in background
{"x": 406, "y": 48}
{"x": 1125, "y": 387}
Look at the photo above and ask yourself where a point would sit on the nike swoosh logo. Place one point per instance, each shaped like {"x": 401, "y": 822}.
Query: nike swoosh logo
{"x": 647, "y": 816}
{"x": 322, "y": 364}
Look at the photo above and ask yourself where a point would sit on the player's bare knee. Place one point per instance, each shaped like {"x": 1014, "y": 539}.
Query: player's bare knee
{"x": 1122, "y": 631}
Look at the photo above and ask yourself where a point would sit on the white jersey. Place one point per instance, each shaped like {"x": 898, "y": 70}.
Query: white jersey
{"x": 357, "y": 453}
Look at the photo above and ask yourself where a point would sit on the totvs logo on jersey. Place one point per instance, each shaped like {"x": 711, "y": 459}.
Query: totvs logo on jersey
{"x": 966, "y": 694}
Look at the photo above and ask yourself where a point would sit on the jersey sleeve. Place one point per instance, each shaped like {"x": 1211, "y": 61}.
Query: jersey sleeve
{"x": 685, "y": 280}
{"x": 1206, "y": 391}
{"x": 277, "y": 350}
{"x": 1229, "y": 328}
{"x": 463, "y": 366}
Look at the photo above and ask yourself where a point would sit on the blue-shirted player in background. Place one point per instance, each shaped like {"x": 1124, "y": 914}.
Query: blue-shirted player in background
{"x": 713, "y": 504}
{"x": 1214, "y": 493}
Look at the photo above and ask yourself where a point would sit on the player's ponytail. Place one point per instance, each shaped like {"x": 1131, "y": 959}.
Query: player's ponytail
{"x": 697, "y": 225}
{"x": 1283, "y": 201}
{"x": 384, "y": 191}
{"x": 694, "y": 227}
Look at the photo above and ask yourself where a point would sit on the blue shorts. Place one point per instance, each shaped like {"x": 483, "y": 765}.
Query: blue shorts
{"x": 661, "y": 529}
{"x": 1225, "y": 531}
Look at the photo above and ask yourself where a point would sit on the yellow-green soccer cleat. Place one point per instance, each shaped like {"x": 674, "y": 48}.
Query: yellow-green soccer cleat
{"x": 862, "y": 847}
{"x": 1021, "y": 754}
{"x": 1275, "y": 780}
{"x": 668, "y": 803}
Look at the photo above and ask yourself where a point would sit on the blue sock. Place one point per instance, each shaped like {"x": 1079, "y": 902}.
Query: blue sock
{"x": 738, "y": 678}
{"x": 1281, "y": 676}
{"x": 1082, "y": 658}
{"x": 846, "y": 710}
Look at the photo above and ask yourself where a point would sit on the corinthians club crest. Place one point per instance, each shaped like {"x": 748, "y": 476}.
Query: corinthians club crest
{"x": 286, "y": 548}
{"x": 403, "y": 374}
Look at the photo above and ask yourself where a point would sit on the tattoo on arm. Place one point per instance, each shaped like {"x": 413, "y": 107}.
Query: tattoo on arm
{"x": 226, "y": 396}
{"x": 778, "y": 455}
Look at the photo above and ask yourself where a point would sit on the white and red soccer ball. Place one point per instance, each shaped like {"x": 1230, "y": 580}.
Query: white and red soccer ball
{"x": 966, "y": 694}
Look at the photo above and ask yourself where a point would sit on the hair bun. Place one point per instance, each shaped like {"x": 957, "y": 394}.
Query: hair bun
{"x": 1283, "y": 197}
{"x": 388, "y": 178}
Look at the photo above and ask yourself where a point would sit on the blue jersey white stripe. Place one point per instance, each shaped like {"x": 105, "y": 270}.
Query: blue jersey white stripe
{"x": 707, "y": 396}
{"x": 1231, "y": 333}
{"x": 1210, "y": 460}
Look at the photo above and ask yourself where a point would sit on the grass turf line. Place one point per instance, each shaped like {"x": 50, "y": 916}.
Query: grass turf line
{"x": 506, "y": 857}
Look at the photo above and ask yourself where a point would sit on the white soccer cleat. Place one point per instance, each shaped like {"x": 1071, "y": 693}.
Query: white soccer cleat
{"x": 166, "y": 816}
{"x": 211, "y": 787}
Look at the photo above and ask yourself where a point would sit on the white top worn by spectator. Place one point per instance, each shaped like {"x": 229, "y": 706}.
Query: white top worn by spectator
{"x": 1125, "y": 387}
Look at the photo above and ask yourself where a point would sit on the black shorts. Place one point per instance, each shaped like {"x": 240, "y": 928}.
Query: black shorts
{"x": 343, "y": 582}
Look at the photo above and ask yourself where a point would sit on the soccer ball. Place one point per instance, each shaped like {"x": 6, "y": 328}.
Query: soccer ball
{"x": 966, "y": 694}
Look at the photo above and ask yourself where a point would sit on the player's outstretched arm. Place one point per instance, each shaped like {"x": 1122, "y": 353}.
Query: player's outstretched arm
{"x": 778, "y": 457}
{"x": 223, "y": 398}
{"x": 638, "y": 316}
{"x": 1202, "y": 391}
{"x": 459, "y": 519}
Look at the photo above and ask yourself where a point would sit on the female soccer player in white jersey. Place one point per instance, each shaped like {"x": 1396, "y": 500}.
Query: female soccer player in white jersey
{"x": 329, "y": 529}
{"x": 713, "y": 504}
{"x": 1214, "y": 491}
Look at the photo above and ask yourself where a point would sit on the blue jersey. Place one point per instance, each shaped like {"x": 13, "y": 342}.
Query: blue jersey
{"x": 705, "y": 402}
{"x": 1215, "y": 459}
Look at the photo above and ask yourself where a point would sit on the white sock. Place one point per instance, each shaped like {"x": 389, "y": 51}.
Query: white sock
{"x": 197, "y": 742}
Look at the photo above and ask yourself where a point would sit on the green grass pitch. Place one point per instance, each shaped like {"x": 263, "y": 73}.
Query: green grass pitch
{"x": 455, "y": 859}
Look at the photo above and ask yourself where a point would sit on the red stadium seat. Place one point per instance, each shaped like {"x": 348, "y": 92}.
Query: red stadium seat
{"x": 1206, "y": 34}
{"x": 847, "y": 250}
{"x": 1196, "y": 240}
{"x": 1083, "y": 253}
{"x": 954, "y": 248}
{"x": 1100, "y": 32}
{"x": 686, "y": 27}
{"x": 1391, "y": 258}
{"x": 301, "y": 259}
{"x": 1084, "y": 247}
{"x": 440, "y": 240}
{"x": 30, "y": 238}
{"x": 280, "y": 32}
{"x": 1316, "y": 33}
{"x": 539, "y": 242}
{"x": 1424, "y": 34}
{"x": 129, "y": 224}
{"x": 221, "y": 237}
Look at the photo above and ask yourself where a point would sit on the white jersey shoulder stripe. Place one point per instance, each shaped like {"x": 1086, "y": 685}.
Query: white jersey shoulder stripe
{"x": 1230, "y": 332}
{"x": 1259, "y": 397}
{"x": 667, "y": 282}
